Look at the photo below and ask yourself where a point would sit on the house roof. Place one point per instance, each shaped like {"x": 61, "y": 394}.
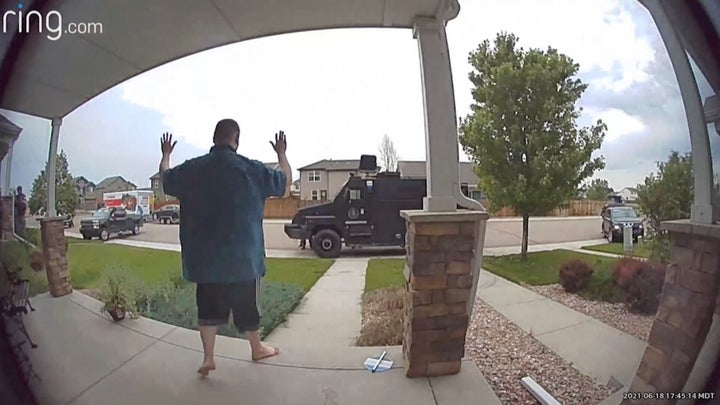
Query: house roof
{"x": 155, "y": 176}
{"x": 83, "y": 178}
{"x": 107, "y": 181}
{"x": 8, "y": 125}
{"x": 417, "y": 169}
{"x": 46, "y": 80}
{"x": 333, "y": 165}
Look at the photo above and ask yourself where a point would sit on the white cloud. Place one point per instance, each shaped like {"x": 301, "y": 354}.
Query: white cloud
{"x": 619, "y": 122}
{"x": 337, "y": 92}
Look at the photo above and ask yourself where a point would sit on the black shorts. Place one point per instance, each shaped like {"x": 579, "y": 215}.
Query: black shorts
{"x": 215, "y": 302}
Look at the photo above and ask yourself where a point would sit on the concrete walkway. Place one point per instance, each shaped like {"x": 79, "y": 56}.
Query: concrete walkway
{"x": 592, "y": 347}
{"x": 513, "y": 250}
{"x": 84, "y": 358}
{"x": 330, "y": 314}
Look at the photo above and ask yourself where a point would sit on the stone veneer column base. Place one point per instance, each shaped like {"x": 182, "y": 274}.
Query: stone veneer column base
{"x": 55, "y": 256}
{"x": 689, "y": 299}
{"x": 444, "y": 251}
{"x": 6, "y": 222}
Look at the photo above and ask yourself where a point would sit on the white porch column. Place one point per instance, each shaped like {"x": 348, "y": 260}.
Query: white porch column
{"x": 52, "y": 167}
{"x": 7, "y": 170}
{"x": 701, "y": 210}
{"x": 9, "y": 134}
{"x": 441, "y": 139}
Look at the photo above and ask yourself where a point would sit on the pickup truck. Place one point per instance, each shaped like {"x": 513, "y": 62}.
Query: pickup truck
{"x": 168, "y": 214}
{"x": 107, "y": 221}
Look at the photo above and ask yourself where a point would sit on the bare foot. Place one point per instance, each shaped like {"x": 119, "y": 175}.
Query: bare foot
{"x": 206, "y": 368}
{"x": 265, "y": 352}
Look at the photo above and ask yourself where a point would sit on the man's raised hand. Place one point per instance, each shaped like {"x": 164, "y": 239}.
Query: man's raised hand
{"x": 280, "y": 144}
{"x": 166, "y": 144}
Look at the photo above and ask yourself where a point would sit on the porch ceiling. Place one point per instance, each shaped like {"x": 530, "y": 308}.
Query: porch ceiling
{"x": 52, "y": 78}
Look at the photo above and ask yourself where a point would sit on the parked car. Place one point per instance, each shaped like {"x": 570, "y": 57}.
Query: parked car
{"x": 168, "y": 214}
{"x": 614, "y": 219}
{"x": 107, "y": 221}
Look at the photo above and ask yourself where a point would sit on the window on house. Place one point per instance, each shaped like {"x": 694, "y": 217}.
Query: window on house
{"x": 314, "y": 175}
{"x": 156, "y": 183}
{"x": 314, "y": 195}
{"x": 323, "y": 195}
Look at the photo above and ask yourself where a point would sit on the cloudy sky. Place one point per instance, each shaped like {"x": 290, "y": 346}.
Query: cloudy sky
{"x": 336, "y": 93}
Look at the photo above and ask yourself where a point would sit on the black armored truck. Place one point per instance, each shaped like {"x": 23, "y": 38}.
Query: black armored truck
{"x": 366, "y": 212}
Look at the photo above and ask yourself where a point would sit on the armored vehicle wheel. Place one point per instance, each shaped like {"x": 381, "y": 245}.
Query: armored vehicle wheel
{"x": 326, "y": 244}
{"x": 104, "y": 235}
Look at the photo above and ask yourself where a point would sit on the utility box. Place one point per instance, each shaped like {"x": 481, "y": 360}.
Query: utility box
{"x": 628, "y": 238}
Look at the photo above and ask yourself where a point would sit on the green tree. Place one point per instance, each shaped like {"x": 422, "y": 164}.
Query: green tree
{"x": 522, "y": 134}
{"x": 665, "y": 196}
{"x": 598, "y": 189}
{"x": 66, "y": 196}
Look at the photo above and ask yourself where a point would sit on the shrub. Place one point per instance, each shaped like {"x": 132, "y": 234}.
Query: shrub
{"x": 383, "y": 316}
{"x": 575, "y": 275}
{"x": 174, "y": 303}
{"x": 37, "y": 261}
{"x": 625, "y": 270}
{"x": 602, "y": 286}
{"x": 659, "y": 246}
{"x": 32, "y": 235}
{"x": 643, "y": 294}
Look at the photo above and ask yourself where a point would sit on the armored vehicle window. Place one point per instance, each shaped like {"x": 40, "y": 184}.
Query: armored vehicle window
{"x": 355, "y": 194}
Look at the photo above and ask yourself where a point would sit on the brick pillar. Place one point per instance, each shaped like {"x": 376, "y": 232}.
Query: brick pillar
{"x": 689, "y": 299}
{"x": 6, "y": 222}
{"x": 441, "y": 277}
{"x": 54, "y": 253}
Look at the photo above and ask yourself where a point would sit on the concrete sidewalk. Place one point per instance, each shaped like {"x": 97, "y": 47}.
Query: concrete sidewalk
{"x": 330, "y": 314}
{"x": 513, "y": 250}
{"x": 592, "y": 347}
{"x": 84, "y": 358}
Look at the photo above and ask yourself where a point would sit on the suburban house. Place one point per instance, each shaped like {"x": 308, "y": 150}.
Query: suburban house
{"x": 628, "y": 195}
{"x": 87, "y": 198}
{"x": 157, "y": 189}
{"x": 322, "y": 180}
{"x": 295, "y": 189}
{"x": 110, "y": 185}
{"x": 416, "y": 169}
{"x": 84, "y": 187}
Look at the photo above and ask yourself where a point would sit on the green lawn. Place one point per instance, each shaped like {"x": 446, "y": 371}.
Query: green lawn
{"x": 88, "y": 261}
{"x": 541, "y": 268}
{"x": 617, "y": 248}
{"x": 384, "y": 273}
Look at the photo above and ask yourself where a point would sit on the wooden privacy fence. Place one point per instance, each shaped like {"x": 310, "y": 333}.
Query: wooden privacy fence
{"x": 576, "y": 208}
{"x": 284, "y": 208}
